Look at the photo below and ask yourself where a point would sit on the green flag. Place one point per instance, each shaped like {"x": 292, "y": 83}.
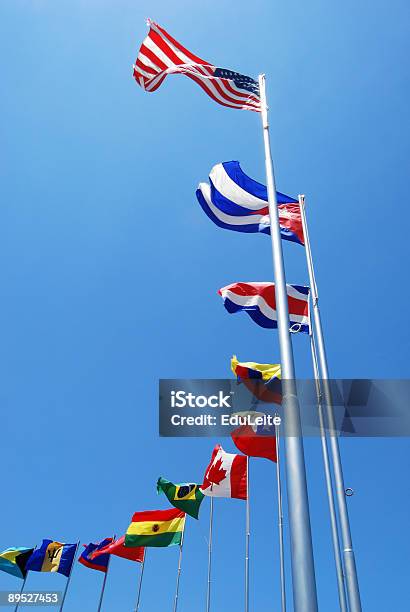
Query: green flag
{"x": 186, "y": 497}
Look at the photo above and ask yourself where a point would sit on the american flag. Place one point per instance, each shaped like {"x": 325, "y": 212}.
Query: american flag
{"x": 160, "y": 55}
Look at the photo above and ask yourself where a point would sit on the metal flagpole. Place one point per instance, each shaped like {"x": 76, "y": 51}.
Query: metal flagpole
{"x": 329, "y": 486}
{"x": 179, "y": 571}
{"x": 211, "y": 520}
{"x": 69, "y": 576}
{"x": 247, "y": 538}
{"x": 23, "y": 585}
{"x": 137, "y": 604}
{"x": 21, "y": 591}
{"x": 280, "y": 522}
{"x": 352, "y": 584}
{"x": 303, "y": 572}
{"x": 104, "y": 581}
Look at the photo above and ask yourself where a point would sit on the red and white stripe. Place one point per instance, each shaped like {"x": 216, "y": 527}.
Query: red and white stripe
{"x": 160, "y": 55}
{"x": 263, "y": 296}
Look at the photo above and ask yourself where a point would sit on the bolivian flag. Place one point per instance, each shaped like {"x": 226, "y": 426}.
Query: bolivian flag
{"x": 187, "y": 497}
{"x": 14, "y": 561}
{"x": 156, "y": 528}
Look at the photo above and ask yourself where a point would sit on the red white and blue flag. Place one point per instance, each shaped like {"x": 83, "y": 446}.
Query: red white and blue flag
{"x": 234, "y": 201}
{"x": 259, "y": 301}
{"x": 256, "y": 440}
{"x": 160, "y": 54}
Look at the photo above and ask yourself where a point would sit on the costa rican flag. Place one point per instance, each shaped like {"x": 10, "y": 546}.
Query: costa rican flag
{"x": 259, "y": 301}
{"x": 160, "y": 55}
{"x": 234, "y": 201}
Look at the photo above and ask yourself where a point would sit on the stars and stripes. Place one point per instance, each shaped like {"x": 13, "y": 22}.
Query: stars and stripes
{"x": 234, "y": 201}
{"x": 259, "y": 301}
{"x": 160, "y": 54}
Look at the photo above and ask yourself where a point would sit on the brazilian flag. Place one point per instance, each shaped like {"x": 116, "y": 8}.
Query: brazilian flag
{"x": 186, "y": 497}
{"x": 14, "y": 561}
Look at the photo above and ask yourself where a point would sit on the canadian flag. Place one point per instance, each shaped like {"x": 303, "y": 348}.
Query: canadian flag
{"x": 226, "y": 475}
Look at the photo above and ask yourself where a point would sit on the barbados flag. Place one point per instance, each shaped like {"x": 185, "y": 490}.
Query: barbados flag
{"x": 14, "y": 561}
{"x": 52, "y": 557}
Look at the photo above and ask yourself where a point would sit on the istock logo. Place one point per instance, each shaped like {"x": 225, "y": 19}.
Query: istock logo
{"x": 181, "y": 399}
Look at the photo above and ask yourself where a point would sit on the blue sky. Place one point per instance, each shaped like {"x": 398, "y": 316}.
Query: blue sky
{"x": 109, "y": 272}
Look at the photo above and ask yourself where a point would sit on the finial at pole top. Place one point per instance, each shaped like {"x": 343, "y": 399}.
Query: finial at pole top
{"x": 148, "y": 21}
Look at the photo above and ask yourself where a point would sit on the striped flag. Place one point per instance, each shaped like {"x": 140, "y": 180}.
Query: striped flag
{"x": 259, "y": 301}
{"x": 234, "y": 201}
{"x": 156, "y": 528}
{"x": 263, "y": 380}
{"x": 160, "y": 55}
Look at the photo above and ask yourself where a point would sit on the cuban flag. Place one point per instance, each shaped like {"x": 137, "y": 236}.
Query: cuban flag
{"x": 234, "y": 201}
{"x": 259, "y": 301}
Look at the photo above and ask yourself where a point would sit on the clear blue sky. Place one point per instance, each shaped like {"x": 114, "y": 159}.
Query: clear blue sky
{"x": 109, "y": 271}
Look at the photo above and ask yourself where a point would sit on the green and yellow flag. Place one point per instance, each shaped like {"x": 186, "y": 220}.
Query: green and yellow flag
{"x": 185, "y": 496}
{"x": 156, "y": 528}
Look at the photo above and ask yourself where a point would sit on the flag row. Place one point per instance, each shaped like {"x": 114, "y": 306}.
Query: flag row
{"x": 225, "y": 476}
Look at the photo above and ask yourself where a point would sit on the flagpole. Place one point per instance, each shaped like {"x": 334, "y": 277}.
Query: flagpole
{"x": 329, "y": 486}
{"x": 247, "y": 538}
{"x": 105, "y": 580}
{"x": 137, "y": 604}
{"x": 352, "y": 584}
{"x": 303, "y": 572}
{"x": 23, "y": 585}
{"x": 179, "y": 571}
{"x": 69, "y": 576}
{"x": 280, "y": 522}
{"x": 21, "y": 591}
{"x": 211, "y": 520}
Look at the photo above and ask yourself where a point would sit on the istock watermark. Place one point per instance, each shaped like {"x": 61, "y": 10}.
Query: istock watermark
{"x": 351, "y": 407}
{"x": 181, "y": 399}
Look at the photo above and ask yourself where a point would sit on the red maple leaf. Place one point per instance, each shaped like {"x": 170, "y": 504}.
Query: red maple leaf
{"x": 215, "y": 475}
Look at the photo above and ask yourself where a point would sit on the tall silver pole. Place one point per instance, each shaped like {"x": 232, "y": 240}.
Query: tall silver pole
{"x": 247, "y": 538}
{"x": 352, "y": 584}
{"x": 69, "y": 577}
{"x": 179, "y": 571}
{"x": 303, "y": 572}
{"x": 211, "y": 520}
{"x": 280, "y": 523}
{"x": 329, "y": 486}
{"x": 137, "y": 604}
{"x": 23, "y": 585}
{"x": 21, "y": 591}
{"x": 104, "y": 581}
